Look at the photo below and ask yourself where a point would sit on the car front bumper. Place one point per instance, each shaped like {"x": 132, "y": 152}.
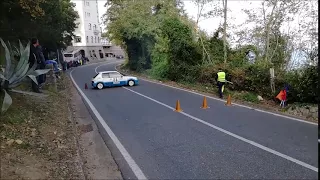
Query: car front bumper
{"x": 93, "y": 84}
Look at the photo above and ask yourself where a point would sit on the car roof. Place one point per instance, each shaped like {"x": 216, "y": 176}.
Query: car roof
{"x": 108, "y": 72}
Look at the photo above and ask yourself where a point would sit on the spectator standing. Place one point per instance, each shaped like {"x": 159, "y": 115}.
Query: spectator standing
{"x": 42, "y": 65}
{"x": 34, "y": 57}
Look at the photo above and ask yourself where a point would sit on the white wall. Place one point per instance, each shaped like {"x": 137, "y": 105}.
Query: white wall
{"x": 80, "y": 30}
{"x": 88, "y": 14}
{"x": 91, "y": 18}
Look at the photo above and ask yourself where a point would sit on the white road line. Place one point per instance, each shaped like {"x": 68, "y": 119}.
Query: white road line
{"x": 233, "y": 135}
{"x": 96, "y": 69}
{"x": 259, "y": 110}
{"x": 133, "y": 165}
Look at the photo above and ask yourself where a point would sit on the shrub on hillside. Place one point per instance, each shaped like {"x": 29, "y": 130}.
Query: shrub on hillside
{"x": 183, "y": 53}
{"x": 303, "y": 85}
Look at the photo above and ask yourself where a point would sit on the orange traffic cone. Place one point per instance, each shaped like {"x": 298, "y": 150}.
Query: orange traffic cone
{"x": 178, "y": 108}
{"x": 86, "y": 86}
{"x": 228, "y": 100}
{"x": 204, "y": 103}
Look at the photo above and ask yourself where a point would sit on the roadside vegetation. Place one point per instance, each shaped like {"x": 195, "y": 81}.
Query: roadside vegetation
{"x": 164, "y": 44}
{"x": 52, "y": 22}
{"x": 37, "y": 138}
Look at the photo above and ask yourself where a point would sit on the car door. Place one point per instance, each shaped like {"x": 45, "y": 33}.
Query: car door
{"x": 107, "y": 80}
{"x": 117, "y": 79}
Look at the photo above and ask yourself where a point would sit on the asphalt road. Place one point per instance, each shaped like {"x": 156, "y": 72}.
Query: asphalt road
{"x": 217, "y": 143}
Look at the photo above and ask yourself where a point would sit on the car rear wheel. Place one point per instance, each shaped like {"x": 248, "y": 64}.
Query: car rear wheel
{"x": 131, "y": 83}
{"x": 100, "y": 86}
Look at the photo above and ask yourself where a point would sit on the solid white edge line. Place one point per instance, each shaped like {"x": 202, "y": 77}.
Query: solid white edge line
{"x": 233, "y": 135}
{"x": 259, "y": 110}
{"x": 133, "y": 165}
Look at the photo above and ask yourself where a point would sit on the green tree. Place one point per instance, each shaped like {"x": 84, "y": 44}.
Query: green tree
{"x": 52, "y": 21}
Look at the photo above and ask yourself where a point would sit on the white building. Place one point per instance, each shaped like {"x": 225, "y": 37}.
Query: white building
{"x": 88, "y": 33}
{"x": 111, "y": 50}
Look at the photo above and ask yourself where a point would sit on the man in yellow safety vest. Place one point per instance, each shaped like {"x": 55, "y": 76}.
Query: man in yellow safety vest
{"x": 221, "y": 80}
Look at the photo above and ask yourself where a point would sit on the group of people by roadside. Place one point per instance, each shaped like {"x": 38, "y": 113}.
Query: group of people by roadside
{"x": 37, "y": 56}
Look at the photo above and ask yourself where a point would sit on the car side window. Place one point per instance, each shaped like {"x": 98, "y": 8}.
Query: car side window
{"x": 105, "y": 75}
{"x": 115, "y": 75}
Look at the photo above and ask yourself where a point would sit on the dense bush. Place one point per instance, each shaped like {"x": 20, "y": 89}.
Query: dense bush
{"x": 303, "y": 85}
{"x": 160, "y": 59}
{"x": 139, "y": 53}
{"x": 183, "y": 53}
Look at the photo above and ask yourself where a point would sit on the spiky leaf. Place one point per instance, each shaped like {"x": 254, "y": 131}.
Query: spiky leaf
{"x": 11, "y": 71}
{"x": 21, "y": 47}
{"x": 7, "y": 101}
{"x": 21, "y": 76}
{"x": 8, "y": 59}
{"x": 40, "y": 71}
{"x": 17, "y": 81}
{"x": 2, "y": 77}
{"x": 24, "y": 61}
{"x": 11, "y": 51}
{"x": 33, "y": 78}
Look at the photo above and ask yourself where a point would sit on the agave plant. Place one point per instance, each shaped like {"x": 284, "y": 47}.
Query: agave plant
{"x": 15, "y": 70}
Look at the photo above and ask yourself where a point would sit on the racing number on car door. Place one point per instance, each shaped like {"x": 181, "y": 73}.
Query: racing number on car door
{"x": 116, "y": 80}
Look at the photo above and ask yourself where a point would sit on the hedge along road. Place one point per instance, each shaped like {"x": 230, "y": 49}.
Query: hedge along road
{"x": 219, "y": 142}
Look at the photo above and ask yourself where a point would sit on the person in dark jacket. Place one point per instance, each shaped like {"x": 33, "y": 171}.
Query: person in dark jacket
{"x": 42, "y": 64}
{"x": 35, "y": 57}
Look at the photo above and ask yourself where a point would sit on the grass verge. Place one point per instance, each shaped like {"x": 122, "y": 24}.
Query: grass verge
{"x": 37, "y": 136}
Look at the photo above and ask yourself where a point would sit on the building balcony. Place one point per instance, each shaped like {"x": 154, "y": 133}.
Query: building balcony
{"x": 106, "y": 44}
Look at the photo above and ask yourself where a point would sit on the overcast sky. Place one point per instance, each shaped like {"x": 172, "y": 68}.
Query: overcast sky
{"x": 235, "y": 15}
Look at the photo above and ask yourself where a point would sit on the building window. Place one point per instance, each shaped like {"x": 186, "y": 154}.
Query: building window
{"x": 86, "y": 14}
{"x": 78, "y": 39}
{"x": 94, "y": 27}
{"x": 89, "y": 26}
{"x": 87, "y": 3}
{"x": 87, "y": 39}
{"x": 98, "y": 39}
{"x": 95, "y": 39}
{"x": 91, "y": 39}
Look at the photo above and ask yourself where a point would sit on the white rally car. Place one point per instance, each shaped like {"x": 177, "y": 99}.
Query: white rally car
{"x": 111, "y": 79}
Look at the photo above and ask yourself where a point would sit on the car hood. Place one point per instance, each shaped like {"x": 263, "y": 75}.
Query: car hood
{"x": 130, "y": 77}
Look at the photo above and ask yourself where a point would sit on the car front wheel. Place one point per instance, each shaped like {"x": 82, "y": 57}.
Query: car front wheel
{"x": 100, "y": 86}
{"x": 131, "y": 83}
